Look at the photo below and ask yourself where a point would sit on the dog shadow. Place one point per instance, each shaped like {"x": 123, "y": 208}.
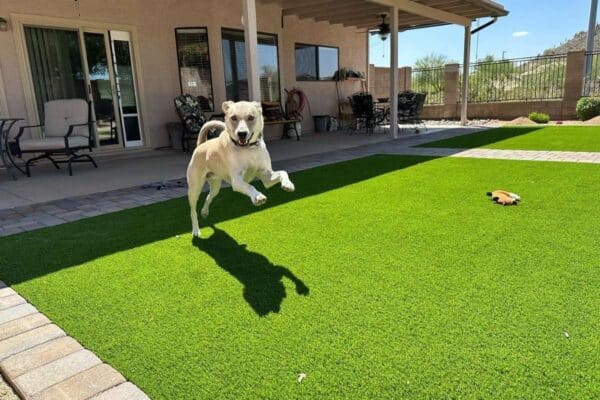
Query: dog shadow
{"x": 263, "y": 281}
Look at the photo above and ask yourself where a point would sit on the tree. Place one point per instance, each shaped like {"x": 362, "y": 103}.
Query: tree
{"x": 428, "y": 76}
{"x": 432, "y": 60}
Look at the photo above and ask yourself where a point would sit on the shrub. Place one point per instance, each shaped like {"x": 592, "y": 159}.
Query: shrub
{"x": 588, "y": 108}
{"x": 540, "y": 118}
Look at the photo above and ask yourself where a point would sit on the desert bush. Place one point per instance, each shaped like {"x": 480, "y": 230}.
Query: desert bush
{"x": 539, "y": 118}
{"x": 588, "y": 108}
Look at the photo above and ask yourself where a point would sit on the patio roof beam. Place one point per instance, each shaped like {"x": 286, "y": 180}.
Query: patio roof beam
{"x": 336, "y": 17}
{"x": 405, "y": 22}
{"x": 413, "y": 7}
{"x": 325, "y": 7}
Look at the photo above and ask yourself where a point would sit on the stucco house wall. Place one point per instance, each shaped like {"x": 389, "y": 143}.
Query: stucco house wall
{"x": 154, "y": 22}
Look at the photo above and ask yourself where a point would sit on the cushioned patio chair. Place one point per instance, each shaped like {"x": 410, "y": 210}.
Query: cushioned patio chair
{"x": 67, "y": 129}
{"x": 189, "y": 110}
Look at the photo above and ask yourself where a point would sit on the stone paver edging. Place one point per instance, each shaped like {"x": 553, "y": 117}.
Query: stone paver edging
{"x": 41, "y": 362}
{"x": 524, "y": 155}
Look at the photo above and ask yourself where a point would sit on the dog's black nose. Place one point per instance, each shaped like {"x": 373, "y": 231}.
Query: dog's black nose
{"x": 242, "y": 134}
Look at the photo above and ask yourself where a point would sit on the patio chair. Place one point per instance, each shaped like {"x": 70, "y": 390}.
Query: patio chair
{"x": 6, "y": 150}
{"x": 410, "y": 106}
{"x": 189, "y": 110}
{"x": 274, "y": 115}
{"x": 67, "y": 129}
{"x": 364, "y": 112}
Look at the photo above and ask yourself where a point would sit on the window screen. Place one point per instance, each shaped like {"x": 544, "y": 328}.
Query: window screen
{"x": 316, "y": 62}
{"x": 194, "y": 64}
{"x": 234, "y": 62}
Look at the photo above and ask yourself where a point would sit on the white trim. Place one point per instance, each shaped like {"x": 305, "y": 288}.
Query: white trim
{"x": 124, "y": 36}
{"x": 3, "y": 102}
{"x": 425, "y": 11}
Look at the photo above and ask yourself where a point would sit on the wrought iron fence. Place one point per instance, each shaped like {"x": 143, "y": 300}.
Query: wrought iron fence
{"x": 591, "y": 85}
{"x": 430, "y": 81}
{"x": 519, "y": 79}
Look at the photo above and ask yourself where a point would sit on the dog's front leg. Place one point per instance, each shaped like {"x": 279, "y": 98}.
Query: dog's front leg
{"x": 239, "y": 185}
{"x": 270, "y": 178}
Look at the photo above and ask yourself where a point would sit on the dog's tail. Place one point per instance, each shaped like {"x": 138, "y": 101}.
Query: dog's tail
{"x": 206, "y": 128}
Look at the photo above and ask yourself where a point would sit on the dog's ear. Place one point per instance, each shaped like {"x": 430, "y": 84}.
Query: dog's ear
{"x": 226, "y": 106}
{"x": 258, "y": 106}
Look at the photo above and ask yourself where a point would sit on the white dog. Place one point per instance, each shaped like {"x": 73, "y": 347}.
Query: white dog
{"x": 237, "y": 156}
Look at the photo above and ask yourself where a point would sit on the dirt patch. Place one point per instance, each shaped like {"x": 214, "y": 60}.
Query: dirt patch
{"x": 521, "y": 121}
{"x": 593, "y": 121}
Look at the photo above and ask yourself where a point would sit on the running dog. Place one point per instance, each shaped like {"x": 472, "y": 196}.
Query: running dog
{"x": 237, "y": 156}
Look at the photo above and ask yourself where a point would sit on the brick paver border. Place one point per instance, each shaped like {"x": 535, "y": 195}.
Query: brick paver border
{"x": 40, "y": 361}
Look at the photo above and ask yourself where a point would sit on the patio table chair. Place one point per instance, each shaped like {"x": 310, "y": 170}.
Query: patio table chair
{"x": 410, "y": 106}
{"x": 189, "y": 110}
{"x": 67, "y": 129}
{"x": 364, "y": 111}
{"x": 6, "y": 158}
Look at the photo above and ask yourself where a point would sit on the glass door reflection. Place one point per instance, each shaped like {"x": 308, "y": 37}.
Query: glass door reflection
{"x": 100, "y": 88}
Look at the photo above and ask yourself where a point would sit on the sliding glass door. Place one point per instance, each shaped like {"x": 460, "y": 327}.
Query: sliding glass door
{"x": 100, "y": 88}
{"x": 94, "y": 65}
{"x": 126, "y": 88}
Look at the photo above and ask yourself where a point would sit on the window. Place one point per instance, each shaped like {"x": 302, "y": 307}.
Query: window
{"x": 234, "y": 62}
{"x": 316, "y": 63}
{"x": 194, "y": 64}
{"x": 55, "y": 64}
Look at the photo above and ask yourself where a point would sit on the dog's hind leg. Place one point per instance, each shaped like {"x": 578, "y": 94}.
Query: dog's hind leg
{"x": 195, "y": 184}
{"x": 215, "y": 188}
{"x": 270, "y": 178}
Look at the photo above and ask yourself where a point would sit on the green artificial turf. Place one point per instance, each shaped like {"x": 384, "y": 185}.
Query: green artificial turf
{"x": 385, "y": 277}
{"x": 557, "y": 138}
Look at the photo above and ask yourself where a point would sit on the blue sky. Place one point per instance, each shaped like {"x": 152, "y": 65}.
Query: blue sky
{"x": 531, "y": 27}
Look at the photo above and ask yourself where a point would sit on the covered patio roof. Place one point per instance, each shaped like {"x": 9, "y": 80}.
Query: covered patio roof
{"x": 411, "y": 13}
{"x": 366, "y": 14}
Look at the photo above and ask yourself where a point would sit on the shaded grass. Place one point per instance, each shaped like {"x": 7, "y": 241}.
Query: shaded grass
{"x": 409, "y": 284}
{"x": 557, "y": 138}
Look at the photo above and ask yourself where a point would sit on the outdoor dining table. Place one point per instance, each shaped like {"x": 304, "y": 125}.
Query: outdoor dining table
{"x": 384, "y": 105}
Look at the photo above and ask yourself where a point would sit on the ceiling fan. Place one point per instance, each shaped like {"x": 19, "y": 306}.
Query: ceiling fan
{"x": 383, "y": 29}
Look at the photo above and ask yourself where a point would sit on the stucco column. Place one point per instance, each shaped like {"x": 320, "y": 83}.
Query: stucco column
{"x": 465, "y": 83}
{"x": 451, "y": 90}
{"x": 394, "y": 72}
{"x": 251, "y": 39}
{"x": 573, "y": 82}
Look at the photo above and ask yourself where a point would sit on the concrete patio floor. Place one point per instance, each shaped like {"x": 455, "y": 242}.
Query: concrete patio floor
{"x": 124, "y": 171}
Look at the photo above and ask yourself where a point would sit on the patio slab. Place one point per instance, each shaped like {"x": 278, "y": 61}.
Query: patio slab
{"x": 124, "y": 171}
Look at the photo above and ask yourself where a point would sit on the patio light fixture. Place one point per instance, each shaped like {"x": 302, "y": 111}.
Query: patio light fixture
{"x": 3, "y": 25}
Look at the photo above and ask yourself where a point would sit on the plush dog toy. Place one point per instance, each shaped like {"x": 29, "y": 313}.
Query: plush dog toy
{"x": 505, "y": 198}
